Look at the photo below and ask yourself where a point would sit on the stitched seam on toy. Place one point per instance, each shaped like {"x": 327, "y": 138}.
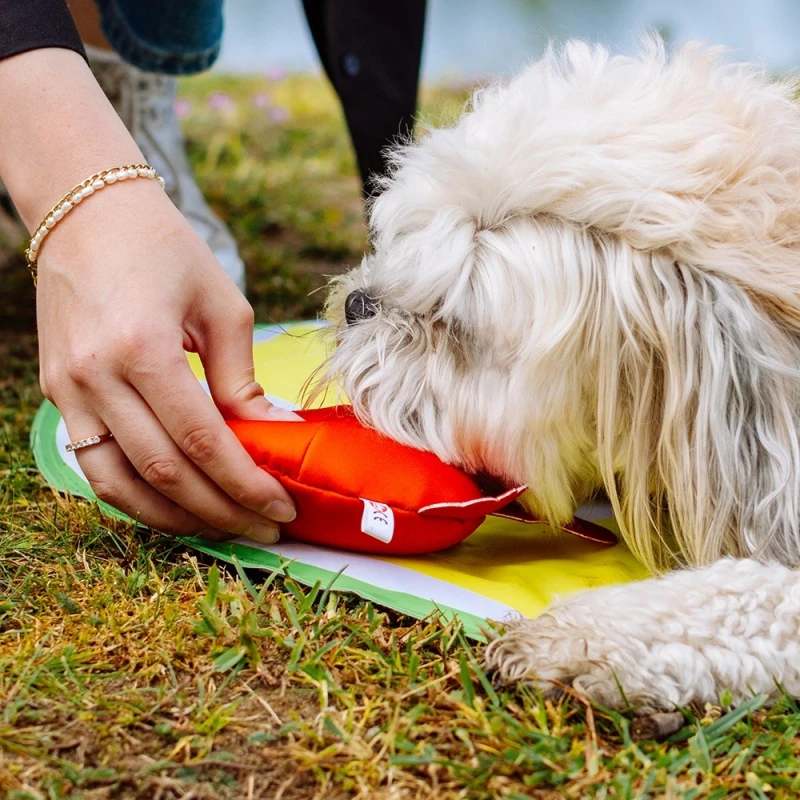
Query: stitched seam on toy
{"x": 305, "y": 453}
{"x": 468, "y": 503}
{"x": 281, "y": 477}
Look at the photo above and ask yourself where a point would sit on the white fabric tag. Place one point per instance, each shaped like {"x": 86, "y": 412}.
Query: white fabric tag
{"x": 377, "y": 520}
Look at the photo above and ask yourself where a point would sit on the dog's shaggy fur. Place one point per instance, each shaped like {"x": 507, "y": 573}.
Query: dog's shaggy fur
{"x": 593, "y": 280}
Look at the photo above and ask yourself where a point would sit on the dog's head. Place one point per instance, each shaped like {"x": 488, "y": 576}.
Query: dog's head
{"x": 459, "y": 345}
{"x": 554, "y": 278}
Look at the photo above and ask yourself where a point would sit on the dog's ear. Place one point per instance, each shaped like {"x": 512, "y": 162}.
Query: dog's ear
{"x": 697, "y": 395}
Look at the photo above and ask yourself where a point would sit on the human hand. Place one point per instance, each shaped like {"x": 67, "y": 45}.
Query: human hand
{"x": 125, "y": 286}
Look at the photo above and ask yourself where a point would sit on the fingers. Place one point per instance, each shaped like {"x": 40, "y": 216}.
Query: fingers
{"x": 164, "y": 467}
{"x": 227, "y": 356}
{"x": 193, "y": 422}
{"x": 114, "y": 480}
{"x": 113, "y": 320}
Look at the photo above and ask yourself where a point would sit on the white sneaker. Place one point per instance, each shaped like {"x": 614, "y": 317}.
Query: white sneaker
{"x": 145, "y": 103}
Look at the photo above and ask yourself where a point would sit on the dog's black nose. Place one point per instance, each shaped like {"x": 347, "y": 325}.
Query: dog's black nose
{"x": 359, "y": 305}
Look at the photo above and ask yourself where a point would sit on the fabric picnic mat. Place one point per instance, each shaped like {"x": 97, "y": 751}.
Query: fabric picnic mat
{"x": 503, "y": 570}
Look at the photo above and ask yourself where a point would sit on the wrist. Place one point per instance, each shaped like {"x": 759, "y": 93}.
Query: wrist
{"x": 68, "y": 205}
{"x": 57, "y": 128}
{"x": 118, "y": 213}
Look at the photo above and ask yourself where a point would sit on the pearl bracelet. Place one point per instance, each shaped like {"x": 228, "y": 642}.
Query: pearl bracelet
{"x": 78, "y": 195}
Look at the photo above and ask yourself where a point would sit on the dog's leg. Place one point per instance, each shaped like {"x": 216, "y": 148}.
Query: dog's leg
{"x": 689, "y": 636}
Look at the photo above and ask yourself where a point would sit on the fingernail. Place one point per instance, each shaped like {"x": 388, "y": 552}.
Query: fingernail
{"x": 283, "y": 415}
{"x": 280, "y": 511}
{"x": 266, "y": 534}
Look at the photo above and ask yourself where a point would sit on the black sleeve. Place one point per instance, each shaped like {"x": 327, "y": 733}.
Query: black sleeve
{"x": 30, "y": 24}
{"x": 371, "y": 51}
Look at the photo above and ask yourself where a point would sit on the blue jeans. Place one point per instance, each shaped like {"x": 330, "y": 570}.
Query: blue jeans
{"x": 174, "y": 38}
{"x": 370, "y": 49}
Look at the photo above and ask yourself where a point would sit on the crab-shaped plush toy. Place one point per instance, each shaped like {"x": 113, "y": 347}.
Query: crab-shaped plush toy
{"x": 354, "y": 489}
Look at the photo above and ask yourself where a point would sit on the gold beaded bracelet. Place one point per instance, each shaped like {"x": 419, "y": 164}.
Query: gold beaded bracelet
{"x": 77, "y": 195}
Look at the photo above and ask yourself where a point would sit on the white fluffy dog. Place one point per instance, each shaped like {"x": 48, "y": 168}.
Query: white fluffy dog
{"x": 593, "y": 280}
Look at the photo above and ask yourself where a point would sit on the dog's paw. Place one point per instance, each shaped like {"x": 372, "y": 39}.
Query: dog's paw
{"x": 554, "y": 651}
{"x": 690, "y": 636}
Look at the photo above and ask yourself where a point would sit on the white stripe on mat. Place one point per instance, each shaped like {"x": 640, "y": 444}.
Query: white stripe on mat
{"x": 387, "y": 575}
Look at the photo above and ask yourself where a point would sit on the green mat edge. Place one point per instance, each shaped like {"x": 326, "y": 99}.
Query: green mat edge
{"x": 61, "y": 478}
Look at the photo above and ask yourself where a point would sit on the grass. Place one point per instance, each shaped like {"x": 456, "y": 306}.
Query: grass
{"x": 131, "y": 667}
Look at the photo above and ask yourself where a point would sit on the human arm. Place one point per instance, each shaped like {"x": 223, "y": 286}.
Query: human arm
{"x": 125, "y": 285}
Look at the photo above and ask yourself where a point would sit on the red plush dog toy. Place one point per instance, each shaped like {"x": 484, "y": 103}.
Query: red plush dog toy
{"x": 357, "y": 490}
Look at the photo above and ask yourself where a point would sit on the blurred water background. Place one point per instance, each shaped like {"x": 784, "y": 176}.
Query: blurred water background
{"x": 474, "y": 38}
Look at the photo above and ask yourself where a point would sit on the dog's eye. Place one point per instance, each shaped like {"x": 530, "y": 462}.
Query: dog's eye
{"x": 358, "y": 306}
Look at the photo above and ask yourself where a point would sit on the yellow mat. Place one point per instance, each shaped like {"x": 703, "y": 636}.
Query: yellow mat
{"x": 505, "y": 568}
